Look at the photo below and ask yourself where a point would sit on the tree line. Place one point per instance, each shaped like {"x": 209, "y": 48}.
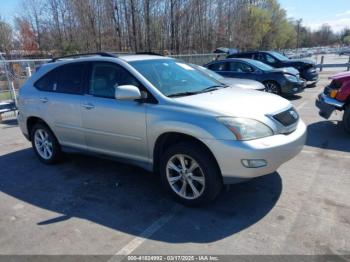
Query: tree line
{"x": 178, "y": 26}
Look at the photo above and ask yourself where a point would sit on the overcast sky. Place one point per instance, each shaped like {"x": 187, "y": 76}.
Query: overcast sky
{"x": 314, "y": 13}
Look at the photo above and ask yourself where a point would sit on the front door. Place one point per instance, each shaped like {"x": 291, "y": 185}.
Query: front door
{"x": 111, "y": 126}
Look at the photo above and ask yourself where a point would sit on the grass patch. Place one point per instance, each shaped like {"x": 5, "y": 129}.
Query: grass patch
{"x": 5, "y": 95}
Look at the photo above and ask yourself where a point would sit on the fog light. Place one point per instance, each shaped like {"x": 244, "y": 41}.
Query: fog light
{"x": 295, "y": 89}
{"x": 254, "y": 163}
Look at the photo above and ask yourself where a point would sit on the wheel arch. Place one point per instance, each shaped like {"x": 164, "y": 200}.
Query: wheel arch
{"x": 168, "y": 139}
{"x": 32, "y": 121}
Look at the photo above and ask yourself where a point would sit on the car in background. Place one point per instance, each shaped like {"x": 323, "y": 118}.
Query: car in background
{"x": 276, "y": 80}
{"x": 336, "y": 96}
{"x": 230, "y": 81}
{"x": 161, "y": 114}
{"x": 345, "y": 51}
{"x": 306, "y": 67}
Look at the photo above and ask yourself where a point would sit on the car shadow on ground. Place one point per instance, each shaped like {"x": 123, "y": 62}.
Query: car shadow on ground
{"x": 292, "y": 97}
{"x": 328, "y": 135}
{"x": 312, "y": 85}
{"x": 8, "y": 123}
{"x": 129, "y": 199}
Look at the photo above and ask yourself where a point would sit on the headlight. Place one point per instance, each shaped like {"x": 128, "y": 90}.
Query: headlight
{"x": 245, "y": 128}
{"x": 333, "y": 93}
{"x": 291, "y": 78}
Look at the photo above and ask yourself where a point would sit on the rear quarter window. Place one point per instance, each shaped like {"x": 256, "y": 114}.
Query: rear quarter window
{"x": 46, "y": 82}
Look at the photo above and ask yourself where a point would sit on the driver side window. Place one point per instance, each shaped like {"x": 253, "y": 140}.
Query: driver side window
{"x": 106, "y": 76}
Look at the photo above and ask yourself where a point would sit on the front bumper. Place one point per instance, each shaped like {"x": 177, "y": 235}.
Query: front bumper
{"x": 310, "y": 77}
{"x": 276, "y": 150}
{"x": 293, "y": 87}
{"x": 327, "y": 105}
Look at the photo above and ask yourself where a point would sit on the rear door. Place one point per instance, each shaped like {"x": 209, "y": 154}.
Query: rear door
{"x": 111, "y": 126}
{"x": 60, "y": 98}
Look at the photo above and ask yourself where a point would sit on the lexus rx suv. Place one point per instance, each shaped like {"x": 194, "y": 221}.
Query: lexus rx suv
{"x": 161, "y": 114}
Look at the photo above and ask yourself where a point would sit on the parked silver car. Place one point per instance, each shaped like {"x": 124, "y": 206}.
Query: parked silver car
{"x": 161, "y": 114}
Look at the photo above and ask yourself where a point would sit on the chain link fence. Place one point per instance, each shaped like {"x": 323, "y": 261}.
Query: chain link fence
{"x": 13, "y": 73}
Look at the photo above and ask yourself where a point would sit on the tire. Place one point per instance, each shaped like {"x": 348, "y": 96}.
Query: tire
{"x": 45, "y": 144}
{"x": 206, "y": 177}
{"x": 272, "y": 87}
{"x": 346, "y": 119}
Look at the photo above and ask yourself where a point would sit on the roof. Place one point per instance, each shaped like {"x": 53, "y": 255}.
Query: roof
{"x": 232, "y": 59}
{"x": 130, "y": 58}
{"x": 93, "y": 57}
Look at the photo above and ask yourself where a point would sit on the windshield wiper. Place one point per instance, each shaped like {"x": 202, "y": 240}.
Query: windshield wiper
{"x": 183, "y": 94}
{"x": 212, "y": 88}
{"x": 208, "y": 89}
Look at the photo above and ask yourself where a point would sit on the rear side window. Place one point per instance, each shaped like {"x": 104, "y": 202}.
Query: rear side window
{"x": 245, "y": 55}
{"x": 218, "y": 67}
{"x": 70, "y": 79}
{"x": 64, "y": 79}
{"x": 240, "y": 67}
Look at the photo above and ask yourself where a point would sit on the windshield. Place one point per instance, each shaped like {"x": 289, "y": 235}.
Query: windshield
{"x": 208, "y": 72}
{"x": 279, "y": 56}
{"x": 172, "y": 77}
{"x": 260, "y": 65}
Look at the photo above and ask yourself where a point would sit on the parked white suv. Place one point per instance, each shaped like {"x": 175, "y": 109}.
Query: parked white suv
{"x": 161, "y": 114}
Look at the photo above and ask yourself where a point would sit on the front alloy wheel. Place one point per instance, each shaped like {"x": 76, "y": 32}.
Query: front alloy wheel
{"x": 272, "y": 87}
{"x": 185, "y": 176}
{"x": 190, "y": 174}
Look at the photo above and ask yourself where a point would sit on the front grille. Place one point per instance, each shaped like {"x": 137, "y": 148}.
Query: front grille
{"x": 312, "y": 70}
{"x": 288, "y": 117}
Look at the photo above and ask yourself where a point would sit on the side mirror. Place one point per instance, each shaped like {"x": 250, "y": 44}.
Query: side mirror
{"x": 127, "y": 92}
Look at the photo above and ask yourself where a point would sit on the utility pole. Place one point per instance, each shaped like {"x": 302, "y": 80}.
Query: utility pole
{"x": 298, "y": 32}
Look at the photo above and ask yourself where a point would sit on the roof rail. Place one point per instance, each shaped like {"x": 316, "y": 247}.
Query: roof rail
{"x": 104, "y": 54}
{"x": 148, "y": 53}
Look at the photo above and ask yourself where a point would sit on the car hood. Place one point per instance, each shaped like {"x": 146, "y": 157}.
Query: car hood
{"x": 306, "y": 61}
{"x": 340, "y": 76}
{"x": 285, "y": 70}
{"x": 243, "y": 83}
{"x": 236, "y": 102}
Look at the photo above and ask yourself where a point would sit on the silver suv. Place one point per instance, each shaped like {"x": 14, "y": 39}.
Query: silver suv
{"x": 161, "y": 114}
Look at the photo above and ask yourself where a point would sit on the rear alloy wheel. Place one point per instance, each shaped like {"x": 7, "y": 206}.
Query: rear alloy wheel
{"x": 45, "y": 144}
{"x": 272, "y": 87}
{"x": 190, "y": 174}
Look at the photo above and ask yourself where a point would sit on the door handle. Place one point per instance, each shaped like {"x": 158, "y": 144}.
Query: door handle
{"x": 44, "y": 100}
{"x": 88, "y": 106}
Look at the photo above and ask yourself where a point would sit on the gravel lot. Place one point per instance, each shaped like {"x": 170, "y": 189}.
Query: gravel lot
{"x": 94, "y": 206}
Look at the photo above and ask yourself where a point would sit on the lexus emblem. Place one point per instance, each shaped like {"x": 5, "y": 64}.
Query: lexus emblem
{"x": 293, "y": 114}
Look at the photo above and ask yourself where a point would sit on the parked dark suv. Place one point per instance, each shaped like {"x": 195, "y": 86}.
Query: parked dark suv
{"x": 306, "y": 67}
